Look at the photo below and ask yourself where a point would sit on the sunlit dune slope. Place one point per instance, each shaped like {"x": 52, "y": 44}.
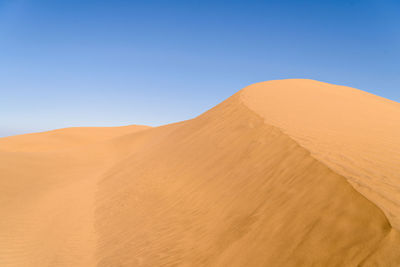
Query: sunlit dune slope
{"x": 232, "y": 187}
{"x": 355, "y": 133}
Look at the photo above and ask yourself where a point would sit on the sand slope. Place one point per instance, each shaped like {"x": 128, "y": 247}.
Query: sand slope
{"x": 355, "y": 133}
{"x": 228, "y": 188}
{"x": 48, "y": 184}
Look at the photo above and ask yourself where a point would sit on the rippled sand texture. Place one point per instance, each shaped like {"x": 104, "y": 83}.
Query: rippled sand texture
{"x": 247, "y": 183}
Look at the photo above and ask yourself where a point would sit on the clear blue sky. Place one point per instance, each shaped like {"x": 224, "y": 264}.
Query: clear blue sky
{"x": 105, "y": 63}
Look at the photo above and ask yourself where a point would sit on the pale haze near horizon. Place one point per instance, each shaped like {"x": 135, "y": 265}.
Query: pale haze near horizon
{"x": 101, "y": 63}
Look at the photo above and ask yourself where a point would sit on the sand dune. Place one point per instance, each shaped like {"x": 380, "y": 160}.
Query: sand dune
{"x": 48, "y": 184}
{"x": 260, "y": 180}
{"x": 355, "y": 133}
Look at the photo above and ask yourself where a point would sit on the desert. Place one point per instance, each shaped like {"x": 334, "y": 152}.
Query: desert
{"x": 291, "y": 172}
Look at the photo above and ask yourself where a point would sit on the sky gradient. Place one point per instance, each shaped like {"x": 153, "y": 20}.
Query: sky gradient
{"x": 110, "y": 63}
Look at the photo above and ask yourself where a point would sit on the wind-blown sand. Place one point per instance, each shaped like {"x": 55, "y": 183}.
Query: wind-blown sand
{"x": 283, "y": 173}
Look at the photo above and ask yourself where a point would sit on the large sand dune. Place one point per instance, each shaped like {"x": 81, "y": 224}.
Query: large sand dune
{"x": 355, "y": 133}
{"x": 283, "y": 173}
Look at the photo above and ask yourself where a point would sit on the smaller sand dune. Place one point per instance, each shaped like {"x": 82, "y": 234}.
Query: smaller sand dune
{"x": 48, "y": 185}
{"x": 66, "y": 138}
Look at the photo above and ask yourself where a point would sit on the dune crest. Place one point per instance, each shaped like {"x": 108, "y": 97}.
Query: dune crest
{"x": 228, "y": 188}
{"x": 355, "y": 133}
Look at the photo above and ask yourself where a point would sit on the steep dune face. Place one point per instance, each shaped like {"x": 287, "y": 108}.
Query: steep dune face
{"x": 355, "y": 133}
{"x": 225, "y": 189}
{"x": 228, "y": 188}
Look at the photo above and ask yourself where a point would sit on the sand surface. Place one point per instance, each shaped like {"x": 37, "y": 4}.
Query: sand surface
{"x": 355, "y": 133}
{"x": 277, "y": 175}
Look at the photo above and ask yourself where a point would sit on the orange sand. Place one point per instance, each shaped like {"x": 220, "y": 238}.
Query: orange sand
{"x": 260, "y": 180}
